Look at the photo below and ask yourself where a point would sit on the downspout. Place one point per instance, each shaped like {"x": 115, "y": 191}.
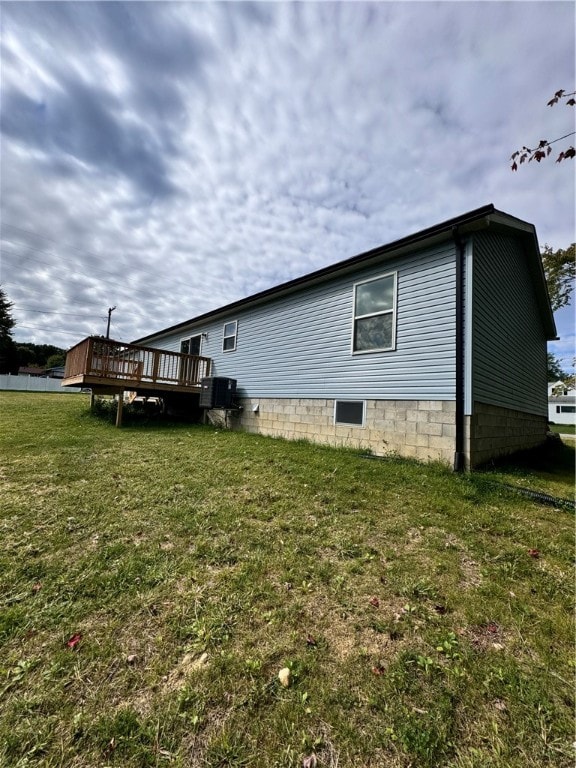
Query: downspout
{"x": 459, "y": 456}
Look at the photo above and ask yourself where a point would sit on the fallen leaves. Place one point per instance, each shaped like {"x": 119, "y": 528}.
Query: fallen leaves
{"x": 284, "y": 676}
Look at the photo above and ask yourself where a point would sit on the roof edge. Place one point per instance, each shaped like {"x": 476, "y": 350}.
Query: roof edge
{"x": 479, "y": 218}
{"x": 443, "y": 228}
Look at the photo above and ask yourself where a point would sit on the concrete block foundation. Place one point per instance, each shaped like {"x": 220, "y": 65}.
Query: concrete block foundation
{"x": 492, "y": 431}
{"x": 419, "y": 429}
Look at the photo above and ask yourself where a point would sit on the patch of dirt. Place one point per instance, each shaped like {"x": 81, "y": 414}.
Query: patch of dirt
{"x": 188, "y": 665}
{"x": 486, "y": 636}
{"x": 413, "y": 537}
{"x": 471, "y": 576}
{"x": 347, "y": 634}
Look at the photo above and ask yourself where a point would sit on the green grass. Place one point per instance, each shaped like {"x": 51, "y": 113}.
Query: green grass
{"x": 187, "y": 565}
{"x": 563, "y": 429}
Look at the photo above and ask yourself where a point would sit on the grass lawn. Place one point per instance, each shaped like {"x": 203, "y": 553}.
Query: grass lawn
{"x": 155, "y": 580}
{"x": 563, "y": 429}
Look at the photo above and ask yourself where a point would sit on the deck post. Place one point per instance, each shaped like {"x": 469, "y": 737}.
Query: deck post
{"x": 155, "y": 365}
{"x": 89, "y": 356}
{"x": 92, "y": 400}
{"x": 119, "y": 408}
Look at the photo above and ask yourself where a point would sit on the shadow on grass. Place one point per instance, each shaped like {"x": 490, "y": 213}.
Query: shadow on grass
{"x": 552, "y": 457}
{"x": 138, "y": 415}
{"x": 544, "y": 470}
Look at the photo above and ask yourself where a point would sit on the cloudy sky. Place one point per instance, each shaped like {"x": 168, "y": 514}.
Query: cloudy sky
{"x": 168, "y": 158}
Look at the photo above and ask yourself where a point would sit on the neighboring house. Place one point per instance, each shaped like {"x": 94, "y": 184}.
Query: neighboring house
{"x": 561, "y": 403}
{"x": 31, "y": 370}
{"x": 57, "y": 372}
{"x": 433, "y": 346}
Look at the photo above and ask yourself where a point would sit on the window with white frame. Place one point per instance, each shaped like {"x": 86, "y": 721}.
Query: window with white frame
{"x": 349, "y": 412}
{"x": 375, "y": 315}
{"x": 229, "y": 337}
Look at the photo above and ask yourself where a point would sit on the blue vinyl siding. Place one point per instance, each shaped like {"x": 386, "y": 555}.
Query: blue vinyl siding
{"x": 509, "y": 342}
{"x": 300, "y": 344}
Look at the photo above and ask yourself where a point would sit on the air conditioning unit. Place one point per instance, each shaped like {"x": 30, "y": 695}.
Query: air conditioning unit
{"x": 217, "y": 392}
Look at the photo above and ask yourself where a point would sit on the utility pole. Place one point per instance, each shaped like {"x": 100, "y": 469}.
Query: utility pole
{"x": 110, "y": 310}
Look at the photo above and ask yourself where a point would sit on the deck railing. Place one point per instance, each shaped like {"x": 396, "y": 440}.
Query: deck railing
{"x": 119, "y": 362}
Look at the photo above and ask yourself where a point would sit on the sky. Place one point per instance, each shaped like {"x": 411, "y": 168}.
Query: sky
{"x": 166, "y": 159}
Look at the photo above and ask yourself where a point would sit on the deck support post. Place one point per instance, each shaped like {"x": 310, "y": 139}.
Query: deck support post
{"x": 119, "y": 408}
{"x": 92, "y": 400}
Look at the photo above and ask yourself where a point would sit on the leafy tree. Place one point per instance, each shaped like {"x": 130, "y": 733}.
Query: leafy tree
{"x": 555, "y": 372}
{"x": 8, "y": 352}
{"x": 56, "y": 360}
{"x": 25, "y": 354}
{"x": 560, "y": 269}
{"x": 544, "y": 148}
{"x": 39, "y": 354}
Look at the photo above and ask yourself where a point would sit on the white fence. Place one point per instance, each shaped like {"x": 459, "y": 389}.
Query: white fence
{"x": 33, "y": 384}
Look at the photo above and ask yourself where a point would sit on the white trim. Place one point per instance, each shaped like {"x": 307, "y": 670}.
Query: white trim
{"x": 230, "y": 335}
{"x": 468, "y": 306}
{"x": 347, "y": 423}
{"x": 392, "y": 311}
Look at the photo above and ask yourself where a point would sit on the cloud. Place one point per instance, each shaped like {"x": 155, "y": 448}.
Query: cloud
{"x": 168, "y": 158}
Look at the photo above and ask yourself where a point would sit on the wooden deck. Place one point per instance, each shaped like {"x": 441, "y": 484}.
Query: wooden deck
{"x": 110, "y": 367}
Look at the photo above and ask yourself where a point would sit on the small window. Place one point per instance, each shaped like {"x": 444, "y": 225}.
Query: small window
{"x": 374, "y": 315}
{"x": 349, "y": 412}
{"x": 229, "y": 340}
{"x": 567, "y": 409}
{"x": 191, "y": 346}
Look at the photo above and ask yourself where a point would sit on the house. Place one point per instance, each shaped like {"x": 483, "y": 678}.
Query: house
{"x": 31, "y": 370}
{"x": 432, "y": 346}
{"x": 57, "y": 372}
{"x": 561, "y": 403}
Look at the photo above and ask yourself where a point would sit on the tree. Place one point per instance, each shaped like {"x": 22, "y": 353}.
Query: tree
{"x": 38, "y": 354}
{"x": 555, "y": 372}
{"x": 8, "y": 352}
{"x": 56, "y": 360}
{"x": 544, "y": 148}
{"x": 560, "y": 269}
{"x": 568, "y": 380}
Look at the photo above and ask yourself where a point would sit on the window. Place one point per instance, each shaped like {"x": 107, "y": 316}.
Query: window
{"x": 229, "y": 339}
{"x": 188, "y": 368}
{"x": 374, "y": 315}
{"x": 191, "y": 346}
{"x": 566, "y": 409}
{"x": 349, "y": 412}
